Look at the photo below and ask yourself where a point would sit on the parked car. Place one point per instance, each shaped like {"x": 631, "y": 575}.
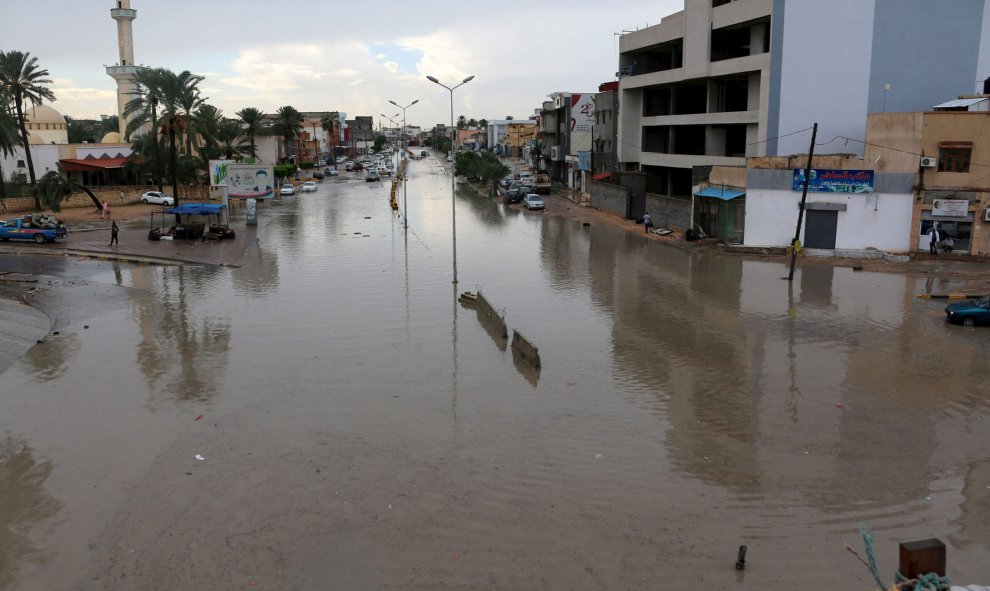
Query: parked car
{"x": 372, "y": 175}
{"x": 533, "y": 201}
{"x": 318, "y": 175}
{"x": 309, "y": 187}
{"x": 349, "y": 166}
{"x": 970, "y": 312}
{"x": 513, "y": 196}
{"x": 330, "y": 172}
{"x": 158, "y": 198}
{"x": 341, "y": 159}
{"x": 287, "y": 189}
{"x": 504, "y": 183}
{"x": 527, "y": 188}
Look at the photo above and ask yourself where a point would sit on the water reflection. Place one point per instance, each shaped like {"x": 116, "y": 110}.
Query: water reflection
{"x": 23, "y": 503}
{"x": 51, "y": 358}
{"x": 180, "y": 355}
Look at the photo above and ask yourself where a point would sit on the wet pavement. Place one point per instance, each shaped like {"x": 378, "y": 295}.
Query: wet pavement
{"x": 360, "y": 429}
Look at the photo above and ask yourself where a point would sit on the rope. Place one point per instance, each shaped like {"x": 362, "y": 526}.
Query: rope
{"x": 929, "y": 582}
{"x": 872, "y": 562}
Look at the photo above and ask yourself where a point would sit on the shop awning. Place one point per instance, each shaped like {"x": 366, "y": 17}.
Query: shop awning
{"x": 719, "y": 193}
{"x": 91, "y": 164}
{"x": 601, "y": 176}
{"x": 196, "y": 209}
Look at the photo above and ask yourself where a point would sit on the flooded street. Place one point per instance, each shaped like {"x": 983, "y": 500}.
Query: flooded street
{"x": 360, "y": 429}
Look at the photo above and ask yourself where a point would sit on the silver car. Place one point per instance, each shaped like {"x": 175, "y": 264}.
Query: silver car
{"x": 533, "y": 201}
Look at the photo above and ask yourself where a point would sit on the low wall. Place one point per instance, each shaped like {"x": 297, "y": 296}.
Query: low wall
{"x": 526, "y": 349}
{"x": 669, "y": 212}
{"x": 113, "y": 194}
{"x": 611, "y": 198}
{"x": 488, "y": 313}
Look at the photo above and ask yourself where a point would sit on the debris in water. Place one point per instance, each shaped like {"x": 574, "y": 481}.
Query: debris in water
{"x": 857, "y": 267}
{"x": 199, "y": 457}
{"x": 741, "y": 558}
{"x": 572, "y": 383}
{"x": 86, "y": 326}
{"x": 838, "y": 405}
{"x": 198, "y": 418}
{"x": 598, "y": 456}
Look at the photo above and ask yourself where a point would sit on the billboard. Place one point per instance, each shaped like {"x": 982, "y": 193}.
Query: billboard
{"x": 582, "y": 122}
{"x": 250, "y": 181}
{"x": 827, "y": 180}
{"x": 955, "y": 208}
{"x": 218, "y": 172}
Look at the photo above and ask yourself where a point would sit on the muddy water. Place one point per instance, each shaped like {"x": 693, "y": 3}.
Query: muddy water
{"x": 359, "y": 429}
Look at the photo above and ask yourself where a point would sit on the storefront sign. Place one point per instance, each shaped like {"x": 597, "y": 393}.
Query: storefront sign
{"x": 954, "y": 208}
{"x": 584, "y": 160}
{"x": 827, "y": 180}
{"x": 218, "y": 172}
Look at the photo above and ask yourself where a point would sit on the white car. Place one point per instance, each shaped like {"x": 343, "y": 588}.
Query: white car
{"x": 309, "y": 187}
{"x": 287, "y": 189}
{"x": 157, "y": 198}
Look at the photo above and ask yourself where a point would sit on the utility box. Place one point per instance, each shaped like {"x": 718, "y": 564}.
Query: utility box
{"x": 922, "y": 557}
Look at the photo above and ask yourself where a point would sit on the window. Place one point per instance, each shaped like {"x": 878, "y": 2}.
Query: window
{"x": 20, "y": 164}
{"x": 954, "y": 158}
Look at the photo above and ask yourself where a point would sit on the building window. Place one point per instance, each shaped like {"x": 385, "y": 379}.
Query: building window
{"x": 954, "y": 158}
{"x": 20, "y": 164}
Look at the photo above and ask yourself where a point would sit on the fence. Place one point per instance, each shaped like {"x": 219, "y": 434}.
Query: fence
{"x": 114, "y": 195}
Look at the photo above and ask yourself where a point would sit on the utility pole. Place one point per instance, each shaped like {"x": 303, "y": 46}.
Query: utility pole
{"x": 804, "y": 198}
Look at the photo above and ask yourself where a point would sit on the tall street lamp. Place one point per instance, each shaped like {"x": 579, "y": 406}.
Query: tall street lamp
{"x": 453, "y": 153}
{"x": 392, "y": 119}
{"x": 402, "y": 133}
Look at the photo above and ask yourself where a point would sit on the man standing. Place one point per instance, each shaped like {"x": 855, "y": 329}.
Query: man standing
{"x": 647, "y": 222}
{"x": 113, "y": 233}
{"x": 933, "y": 235}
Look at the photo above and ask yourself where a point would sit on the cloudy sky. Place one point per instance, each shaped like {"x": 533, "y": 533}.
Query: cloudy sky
{"x": 329, "y": 55}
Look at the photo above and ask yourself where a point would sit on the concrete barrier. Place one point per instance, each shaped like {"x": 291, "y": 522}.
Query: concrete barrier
{"x": 487, "y": 313}
{"x": 526, "y": 349}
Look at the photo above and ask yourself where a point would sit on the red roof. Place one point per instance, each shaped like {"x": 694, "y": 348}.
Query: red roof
{"x": 601, "y": 176}
{"x": 91, "y": 164}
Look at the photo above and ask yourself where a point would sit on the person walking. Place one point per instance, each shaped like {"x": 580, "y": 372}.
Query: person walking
{"x": 933, "y": 235}
{"x": 104, "y": 210}
{"x": 647, "y": 222}
{"x": 113, "y": 233}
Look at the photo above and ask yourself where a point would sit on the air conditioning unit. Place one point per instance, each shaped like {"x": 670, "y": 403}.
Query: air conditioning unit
{"x": 929, "y": 162}
{"x": 986, "y": 215}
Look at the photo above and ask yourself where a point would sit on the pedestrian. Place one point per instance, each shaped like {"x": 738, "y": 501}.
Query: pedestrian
{"x": 113, "y": 233}
{"x": 647, "y": 222}
{"x": 933, "y": 235}
{"x": 104, "y": 210}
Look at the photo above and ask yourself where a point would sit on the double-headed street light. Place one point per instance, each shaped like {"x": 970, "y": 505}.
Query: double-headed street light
{"x": 453, "y": 153}
{"x": 402, "y": 132}
{"x": 392, "y": 119}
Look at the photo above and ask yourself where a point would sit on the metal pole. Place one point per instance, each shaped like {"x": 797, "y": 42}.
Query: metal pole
{"x": 453, "y": 181}
{"x": 405, "y": 191}
{"x": 804, "y": 198}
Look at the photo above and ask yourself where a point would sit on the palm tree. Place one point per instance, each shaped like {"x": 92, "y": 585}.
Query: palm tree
{"x": 229, "y": 139}
{"x": 472, "y": 122}
{"x": 461, "y": 121}
{"x": 509, "y": 117}
{"x": 21, "y": 77}
{"x": 288, "y": 124}
{"x": 143, "y": 109}
{"x": 329, "y": 125}
{"x": 110, "y": 124}
{"x": 483, "y": 124}
{"x": 205, "y": 123}
{"x": 190, "y": 101}
{"x": 174, "y": 89}
{"x": 56, "y": 186}
{"x": 8, "y": 135}
{"x": 254, "y": 125}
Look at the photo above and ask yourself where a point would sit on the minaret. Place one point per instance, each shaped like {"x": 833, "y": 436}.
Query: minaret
{"x": 124, "y": 72}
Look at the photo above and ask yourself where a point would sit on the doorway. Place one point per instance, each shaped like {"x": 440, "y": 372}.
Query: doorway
{"x": 820, "y": 231}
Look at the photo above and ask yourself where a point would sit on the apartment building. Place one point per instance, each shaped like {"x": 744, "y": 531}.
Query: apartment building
{"x": 723, "y": 80}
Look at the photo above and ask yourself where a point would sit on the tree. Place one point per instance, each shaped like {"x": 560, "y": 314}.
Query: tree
{"x": 110, "y": 124}
{"x": 205, "y": 124}
{"x": 56, "y": 186}
{"x": 483, "y": 124}
{"x": 229, "y": 139}
{"x": 472, "y": 122}
{"x": 79, "y": 131}
{"x": 461, "y": 121}
{"x": 21, "y": 77}
{"x": 508, "y": 117}
{"x": 190, "y": 101}
{"x": 143, "y": 110}
{"x": 379, "y": 142}
{"x": 254, "y": 125}
{"x": 174, "y": 89}
{"x": 329, "y": 124}
{"x": 288, "y": 125}
{"x": 8, "y": 135}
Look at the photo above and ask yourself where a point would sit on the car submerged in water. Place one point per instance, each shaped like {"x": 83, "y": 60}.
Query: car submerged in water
{"x": 969, "y": 313}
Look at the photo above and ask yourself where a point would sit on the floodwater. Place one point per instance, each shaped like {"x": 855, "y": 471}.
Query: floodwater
{"x": 360, "y": 429}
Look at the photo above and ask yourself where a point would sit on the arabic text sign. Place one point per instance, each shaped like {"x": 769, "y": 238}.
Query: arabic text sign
{"x": 955, "y": 208}
{"x": 827, "y": 180}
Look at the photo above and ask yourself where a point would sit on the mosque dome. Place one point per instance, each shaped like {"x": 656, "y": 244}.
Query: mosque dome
{"x": 112, "y": 138}
{"x": 45, "y": 125}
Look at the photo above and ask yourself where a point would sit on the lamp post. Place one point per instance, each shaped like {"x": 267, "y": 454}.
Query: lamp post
{"x": 402, "y": 133}
{"x": 453, "y": 153}
{"x": 395, "y": 124}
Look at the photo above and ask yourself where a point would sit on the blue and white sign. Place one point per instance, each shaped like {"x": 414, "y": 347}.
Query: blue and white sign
{"x": 827, "y": 180}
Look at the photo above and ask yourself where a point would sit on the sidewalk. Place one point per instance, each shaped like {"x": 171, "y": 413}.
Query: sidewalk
{"x": 135, "y": 247}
